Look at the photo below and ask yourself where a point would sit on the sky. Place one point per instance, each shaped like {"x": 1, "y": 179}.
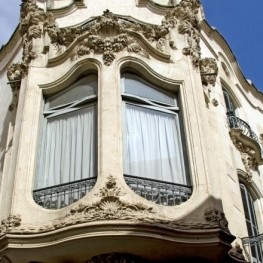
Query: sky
{"x": 239, "y": 21}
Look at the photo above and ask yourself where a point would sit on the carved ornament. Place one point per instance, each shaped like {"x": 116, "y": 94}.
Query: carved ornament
{"x": 209, "y": 71}
{"x": 111, "y": 207}
{"x": 13, "y": 221}
{"x": 107, "y": 35}
{"x": 217, "y": 217}
{"x": 224, "y": 66}
{"x": 249, "y": 149}
{"x": 236, "y": 254}
{"x": 31, "y": 26}
{"x": 184, "y": 17}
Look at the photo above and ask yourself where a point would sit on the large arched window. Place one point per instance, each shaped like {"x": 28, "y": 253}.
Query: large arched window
{"x": 253, "y": 240}
{"x": 66, "y": 167}
{"x": 154, "y": 157}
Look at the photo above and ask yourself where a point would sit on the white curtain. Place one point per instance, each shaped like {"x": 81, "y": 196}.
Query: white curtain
{"x": 67, "y": 148}
{"x": 153, "y": 146}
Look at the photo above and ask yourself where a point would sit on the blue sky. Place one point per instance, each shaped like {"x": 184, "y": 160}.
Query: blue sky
{"x": 241, "y": 24}
{"x": 239, "y": 21}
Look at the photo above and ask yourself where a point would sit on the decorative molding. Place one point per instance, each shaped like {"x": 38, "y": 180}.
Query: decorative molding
{"x": 13, "y": 221}
{"x": 107, "y": 35}
{"x": 110, "y": 207}
{"x": 31, "y": 24}
{"x": 226, "y": 70}
{"x": 208, "y": 71}
{"x": 215, "y": 102}
{"x": 249, "y": 149}
{"x": 215, "y": 216}
{"x": 184, "y": 17}
{"x": 236, "y": 254}
{"x": 114, "y": 258}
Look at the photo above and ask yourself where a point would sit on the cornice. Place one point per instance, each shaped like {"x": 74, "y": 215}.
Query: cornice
{"x": 9, "y": 50}
{"x": 66, "y": 10}
{"x": 214, "y": 33}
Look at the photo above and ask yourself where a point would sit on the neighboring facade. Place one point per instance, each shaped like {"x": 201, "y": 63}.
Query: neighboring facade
{"x": 128, "y": 133}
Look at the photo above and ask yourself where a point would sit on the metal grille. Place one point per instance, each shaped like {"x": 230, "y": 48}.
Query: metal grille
{"x": 160, "y": 192}
{"x": 59, "y": 196}
{"x": 254, "y": 248}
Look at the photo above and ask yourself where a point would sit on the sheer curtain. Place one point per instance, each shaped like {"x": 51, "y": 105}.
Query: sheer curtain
{"x": 67, "y": 148}
{"x": 152, "y": 145}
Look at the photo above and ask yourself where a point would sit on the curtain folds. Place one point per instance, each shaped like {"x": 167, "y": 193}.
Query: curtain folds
{"x": 152, "y": 146}
{"x": 67, "y": 148}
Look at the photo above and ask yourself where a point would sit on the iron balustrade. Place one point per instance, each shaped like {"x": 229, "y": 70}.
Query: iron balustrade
{"x": 237, "y": 123}
{"x": 59, "y": 196}
{"x": 160, "y": 192}
{"x": 254, "y": 247}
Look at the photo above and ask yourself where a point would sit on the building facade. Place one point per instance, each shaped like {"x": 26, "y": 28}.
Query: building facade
{"x": 128, "y": 134}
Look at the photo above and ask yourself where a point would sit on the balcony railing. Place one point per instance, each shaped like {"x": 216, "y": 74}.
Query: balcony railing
{"x": 254, "y": 248}
{"x": 160, "y": 192}
{"x": 59, "y": 196}
{"x": 237, "y": 123}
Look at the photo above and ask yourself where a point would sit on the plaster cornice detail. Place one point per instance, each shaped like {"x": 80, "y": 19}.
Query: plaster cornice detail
{"x": 111, "y": 207}
{"x": 208, "y": 71}
{"x": 109, "y": 34}
{"x": 249, "y": 149}
{"x": 66, "y": 10}
{"x": 184, "y": 17}
{"x": 12, "y": 221}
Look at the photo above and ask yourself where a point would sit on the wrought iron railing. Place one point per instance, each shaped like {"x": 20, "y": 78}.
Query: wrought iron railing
{"x": 160, "y": 192}
{"x": 254, "y": 248}
{"x": 237, "y": 123}
{"x": 59, "y": 196}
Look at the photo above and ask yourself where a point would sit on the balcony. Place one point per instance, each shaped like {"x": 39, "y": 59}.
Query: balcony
{"x": 253, "y": 247}
{"x": 59, "y": 196}
{"x": 245, "y": 139}
{"x": 160, "y": 192}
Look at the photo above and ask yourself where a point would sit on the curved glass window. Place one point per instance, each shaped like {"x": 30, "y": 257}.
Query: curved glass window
{"x": 154, "y": 159}
{"x": 66, "y": 167}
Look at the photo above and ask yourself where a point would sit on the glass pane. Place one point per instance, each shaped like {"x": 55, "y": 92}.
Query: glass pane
{"x": 153, "y": 146}
{"x": 228, "y": 102}
{"x": 139, "y": 87}
{"x": 82, "y": 88}
{"x": 67, "y": 149}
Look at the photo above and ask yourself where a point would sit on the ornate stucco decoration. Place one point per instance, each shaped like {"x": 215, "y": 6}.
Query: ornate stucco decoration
{"x": 224, "y": 66}
{"x": 107, "y": 35}
{"x": 114, "y": 258}
{"x": 31, "y": 27}
{"x": 217, "y": 217}
{"x": 111, "y": 207}
{"x": 12, "y": 222}
{"x": 236, "y": 254}
{"x": 250, "y": 151}
{"x": 208, "y": 71}
{"x": 184, "y": 17}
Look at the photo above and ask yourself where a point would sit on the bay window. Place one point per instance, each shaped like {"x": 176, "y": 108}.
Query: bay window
{"x": 66, "y": 167}
{"x": 154, "y": 157}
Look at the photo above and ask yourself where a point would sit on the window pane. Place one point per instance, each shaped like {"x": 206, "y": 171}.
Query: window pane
{"x": 139, "y": 87}
{"x": 152, "y": 146}
{"x": 84, "y": 87}
{"x": 67, "y": 148}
